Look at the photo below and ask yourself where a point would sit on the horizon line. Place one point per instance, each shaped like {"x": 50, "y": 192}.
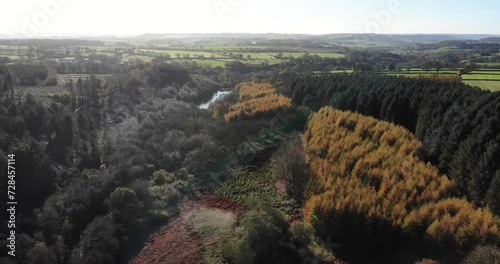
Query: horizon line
{"x": 19, "y": 36}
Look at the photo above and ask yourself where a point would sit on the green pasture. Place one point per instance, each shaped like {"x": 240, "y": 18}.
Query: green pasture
{"x": 134, "y": 57}
{"x": 490, "y": 64}
{"x": 493, "y": 86}
{"x": 482, "y": 76}
{"x": 213, "y": 63}
{"x": 228, "y": 47}
{"x": 173, "y": 53}
{"x": 13, "y": 47}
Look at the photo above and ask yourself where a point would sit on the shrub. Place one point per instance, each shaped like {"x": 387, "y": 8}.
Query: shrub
{"x": 51, "y": 81}
{"x": 165, "y": 195}
{"x": 483, "y": 255}
{"x": 427, "y": 261}
{"x": 161, "y": 177}
{"x": 302, "y": 233}
{"x": 98, "y": 244}
{"x": 124, "y": 205}
{"x": 261, "y": 237}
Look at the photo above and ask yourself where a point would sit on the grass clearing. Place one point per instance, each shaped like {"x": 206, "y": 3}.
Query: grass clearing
{"x": 209, "y": 222}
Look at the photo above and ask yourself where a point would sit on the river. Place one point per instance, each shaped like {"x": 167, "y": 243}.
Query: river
{"x": 216, "y": 96}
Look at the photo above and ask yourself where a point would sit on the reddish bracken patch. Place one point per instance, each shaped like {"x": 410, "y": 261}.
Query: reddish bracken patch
{"x": 295, "y": 217}
{"x": 176, "y": 243}
{"x": 215, "y": 202}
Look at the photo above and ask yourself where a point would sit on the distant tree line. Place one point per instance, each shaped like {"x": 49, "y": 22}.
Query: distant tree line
{"x": 26, "y": 74}
{"x": 50, "y": 43}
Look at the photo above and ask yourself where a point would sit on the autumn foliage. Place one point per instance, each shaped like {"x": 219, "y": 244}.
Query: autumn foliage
{"x": 362, "y": 166}
{"x": 256, "y": 99}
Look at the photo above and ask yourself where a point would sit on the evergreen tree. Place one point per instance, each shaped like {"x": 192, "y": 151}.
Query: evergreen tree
{"x": 482, "y": 173}
{"x": 79, "y": 87}
{"x": 9, "y": 85}
{"x": 493, "y": 195}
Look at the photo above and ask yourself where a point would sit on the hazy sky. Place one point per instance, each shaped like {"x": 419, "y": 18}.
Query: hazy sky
{"x": 98, "y": 17}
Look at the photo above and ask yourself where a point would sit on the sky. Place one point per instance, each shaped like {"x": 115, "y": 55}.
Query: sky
{"x": 30, "y": 18}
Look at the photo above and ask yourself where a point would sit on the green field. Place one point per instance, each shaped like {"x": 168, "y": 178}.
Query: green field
{"x": 213, "y": 55}
{"x": 216, "y": 62}
{"x": 14, "y": 47}
{"x": 226, "y": 53}
{"x": 226, "y": 48}
{"x": 259, "y": 55}
{"x": 321, "y": 54}
{"x": 213, "y": 63}
{"x": 222, "y": 62}
{"x": 143, "y": 58}
{"x": 418, "y": 74}
{"x": 328, "y": 55}
{"x": 12, "y": 57}
{"x": 485, "y": 79}
{"x": 485, "y": 85}
{"x": 219, "y": 58}
{"x": 482, "y": 76}
{"x": 341, "y": 71}
{"x": 173, "y": 53}
{"x": 491, "y": 64}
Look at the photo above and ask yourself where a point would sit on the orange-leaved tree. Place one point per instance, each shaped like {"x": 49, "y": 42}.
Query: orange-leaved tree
{"x": 256, "y": 99}
{"x": 366, "y": 176}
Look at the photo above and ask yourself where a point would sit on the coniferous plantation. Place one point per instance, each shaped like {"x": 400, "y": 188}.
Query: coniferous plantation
{"x": 305, "y": 147}
{"x": 457, "y": 125}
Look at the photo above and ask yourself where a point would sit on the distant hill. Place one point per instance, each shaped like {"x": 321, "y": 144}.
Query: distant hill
{"x": 492, "y": 39}
{"x": 361, "y": 40}
{"x": 50, "y": 42}
{"x": 380, "y": 40}
{"x": 152, "y": 36}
